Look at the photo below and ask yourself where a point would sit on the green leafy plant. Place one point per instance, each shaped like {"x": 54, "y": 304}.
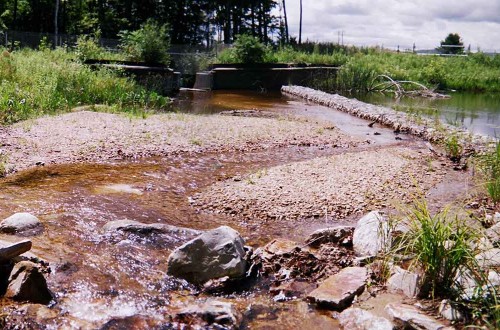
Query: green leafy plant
{"x": 453, "y": 148}
{"x": 248, "y": 49}
{"x": 149, "y": 44}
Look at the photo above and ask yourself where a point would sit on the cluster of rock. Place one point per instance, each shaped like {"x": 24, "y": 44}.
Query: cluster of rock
{"x": 400, "y": 122}
{"x": 329, "y": 271}
{"x": 22, "y": 276}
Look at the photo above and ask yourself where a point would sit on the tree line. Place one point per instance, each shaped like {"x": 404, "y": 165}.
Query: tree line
{"x": 189, "y": 21}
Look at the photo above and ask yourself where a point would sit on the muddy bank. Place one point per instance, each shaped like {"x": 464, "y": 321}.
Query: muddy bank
{"x": 422, "y": 127}
{"x": 95, "y": 137}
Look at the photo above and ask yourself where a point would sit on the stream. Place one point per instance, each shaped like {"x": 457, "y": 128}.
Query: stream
{"x": 99, "y": 276}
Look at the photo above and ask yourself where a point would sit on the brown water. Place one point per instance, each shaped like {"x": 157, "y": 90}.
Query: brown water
{"x": 217, "y": 101}
{"x": 98, "y": 276}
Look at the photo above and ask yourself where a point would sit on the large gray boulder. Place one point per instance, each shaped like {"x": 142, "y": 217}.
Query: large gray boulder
{"x": 371, "y": 235}
{"x": 21, "y": 223}
{"x": 217, "y": 253}
{"x": 338, "y": 291}
{"x": 409, "y": 317}
{"x": 360, "y": 319}
{"x": 27, "y": 283}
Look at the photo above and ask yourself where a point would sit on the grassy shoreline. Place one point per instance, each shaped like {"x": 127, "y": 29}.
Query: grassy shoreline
{"x": 360, "y": 66}
{"x": 34, "y": 83}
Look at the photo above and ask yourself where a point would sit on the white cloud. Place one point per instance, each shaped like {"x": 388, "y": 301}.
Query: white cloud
{"x": 398, "y": 22}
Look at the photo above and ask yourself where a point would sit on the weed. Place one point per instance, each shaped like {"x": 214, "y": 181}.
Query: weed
{"x": 489, "y": 166}
{"x": 441, "y": 248}
{"x": 3, "y": 165}
{"x": 36, "y": 83}
{"x": 196, "y": 142}
{"x": 149, "y": 44}
{"x": 453, "y": 148}
{"x": 476, "y": 72}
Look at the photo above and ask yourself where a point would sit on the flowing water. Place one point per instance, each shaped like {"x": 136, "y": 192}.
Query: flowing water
{"x": 98, "y": 276}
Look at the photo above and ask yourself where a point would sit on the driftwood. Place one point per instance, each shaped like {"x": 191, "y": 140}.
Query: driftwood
{"x": 397, "y": 86}
{"x": 8, "y": 252}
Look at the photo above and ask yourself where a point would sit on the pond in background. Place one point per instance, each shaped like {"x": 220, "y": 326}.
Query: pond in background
{"x": 480, "y": 113}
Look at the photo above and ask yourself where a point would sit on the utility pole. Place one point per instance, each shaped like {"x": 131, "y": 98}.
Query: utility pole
{"x": 300, "y": 26}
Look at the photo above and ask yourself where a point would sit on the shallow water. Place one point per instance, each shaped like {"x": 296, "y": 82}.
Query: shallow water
{"x": 98, "y": 276}
{"x": 213, "y": 102}
{"x": 479, "y": 113}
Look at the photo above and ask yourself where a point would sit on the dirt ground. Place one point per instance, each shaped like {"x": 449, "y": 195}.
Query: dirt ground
{"x": 96, "y": 137}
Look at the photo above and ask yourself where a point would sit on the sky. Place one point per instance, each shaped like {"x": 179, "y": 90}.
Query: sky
{"x": 390, "y": 23}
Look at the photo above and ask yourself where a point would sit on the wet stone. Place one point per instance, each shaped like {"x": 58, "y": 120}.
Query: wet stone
{"x": 21, "y": 223}
{"x": 338, "y": 291}
{"x": 9, "y": 250}
{"x": 211, "y": 314}
{"x": 137, "y": 227}
{"x": 282, "y": 261}
{"x": 409, "y": 317}
{"x": 27, "y": 283}
{"x": 292, "y": 290}
{"x": 341, "y": 235}
{"x": 214, "y": 254}
{"x": 135, "y": 322}
{"x": 360, "y": 319}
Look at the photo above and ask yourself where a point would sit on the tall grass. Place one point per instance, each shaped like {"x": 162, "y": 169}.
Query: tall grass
{"x": 476, "y": 72}
{"x": 489, "y": 166}
{"x": 35, "y": 83}
{"x": 443, "y": 247}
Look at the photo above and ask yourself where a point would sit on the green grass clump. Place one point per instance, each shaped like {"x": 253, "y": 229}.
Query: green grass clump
{"x": 35, "y": 83}
{"x": 441, "y": 246}
{"x": 489, "y": 166}
{"x": 453, "y": 148}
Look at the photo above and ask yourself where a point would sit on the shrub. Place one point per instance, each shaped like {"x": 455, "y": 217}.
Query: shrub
{"x": 248, "y": 49}
{"x": 149, "y": 44}
{"x": 87, "y": 47}
{"x": 453, "y": 148}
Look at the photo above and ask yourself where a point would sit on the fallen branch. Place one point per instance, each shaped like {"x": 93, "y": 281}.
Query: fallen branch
{"x": 398, "y": 89}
